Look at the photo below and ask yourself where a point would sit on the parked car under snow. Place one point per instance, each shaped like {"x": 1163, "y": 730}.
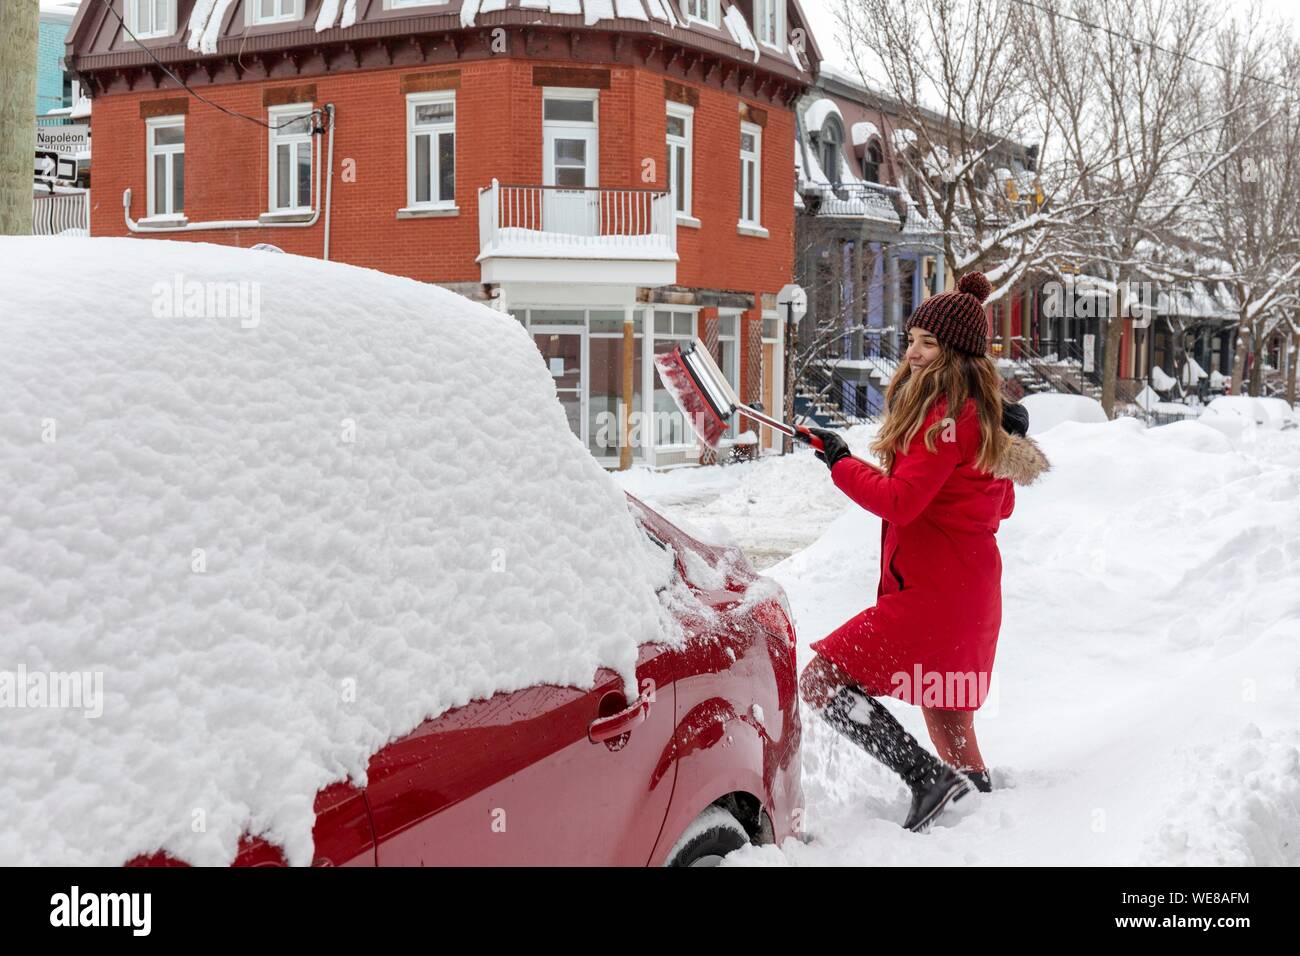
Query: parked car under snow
{"x": 350, "y": 590}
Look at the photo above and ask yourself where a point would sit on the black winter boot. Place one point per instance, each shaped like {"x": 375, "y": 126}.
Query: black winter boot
{"x": 867, "y": 722}
{"x": 983, "y": 782}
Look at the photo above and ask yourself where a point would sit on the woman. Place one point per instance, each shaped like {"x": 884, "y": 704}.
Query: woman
{"x": 949, "y": 464}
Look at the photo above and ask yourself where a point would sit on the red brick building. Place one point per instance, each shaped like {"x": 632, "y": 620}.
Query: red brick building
{"x": 618, "y": 174}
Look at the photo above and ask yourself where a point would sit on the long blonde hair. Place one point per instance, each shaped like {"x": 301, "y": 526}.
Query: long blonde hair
{"x": 956, "y": 375}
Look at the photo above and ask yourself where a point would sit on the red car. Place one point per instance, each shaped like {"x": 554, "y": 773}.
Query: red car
{"x": 704, "y": 761}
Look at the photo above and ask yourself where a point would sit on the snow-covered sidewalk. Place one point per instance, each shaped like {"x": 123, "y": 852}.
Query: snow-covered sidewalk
{"x": 1146, "y": 703}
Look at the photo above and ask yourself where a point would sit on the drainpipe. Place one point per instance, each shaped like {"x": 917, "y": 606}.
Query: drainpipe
{"x": 135, "y": 226}
{"x": 329, "y": 181}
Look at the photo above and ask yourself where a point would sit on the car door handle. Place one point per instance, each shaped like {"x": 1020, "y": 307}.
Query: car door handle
{"x": 604, "y": 729}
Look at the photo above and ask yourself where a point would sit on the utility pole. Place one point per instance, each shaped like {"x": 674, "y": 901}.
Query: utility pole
{"x": 19, "y": 22}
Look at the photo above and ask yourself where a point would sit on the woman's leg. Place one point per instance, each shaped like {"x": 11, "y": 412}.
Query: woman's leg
{"x": 838, "y": 700}
{"x": 953, "y": 734}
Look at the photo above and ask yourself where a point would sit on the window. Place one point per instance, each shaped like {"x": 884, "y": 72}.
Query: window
{"x": 751, "y": 152}
{"x": 705, "y": 11}
{"x": 272, "y": 11}
{"x": 680, "y": 120}
{"x": 831, "y": 142}
{"x": 290, "y": 160}
{"x": 151, "y": 18}
{"x": 165, "y": 147}
{"x": 727, "y": 356}
{"x": 768, "y": 20}
{"x": 431, "y": 149}
{"x": 871, "y": 160}
{"x": 670, "y": 329}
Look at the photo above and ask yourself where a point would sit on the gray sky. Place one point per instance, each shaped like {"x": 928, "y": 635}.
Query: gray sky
{"x": 823, "y": 25}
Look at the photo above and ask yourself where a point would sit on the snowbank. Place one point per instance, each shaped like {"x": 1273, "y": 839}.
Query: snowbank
{"x": 281, "y": 533}
{"x": 1049, "y": 409}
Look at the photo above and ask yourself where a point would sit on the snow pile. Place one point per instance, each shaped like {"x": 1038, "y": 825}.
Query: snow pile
{"x": 1160, "y": 381}
{"x": 1049, "y": 409}
{"x": 282, "y": 510}
{"x": 1240, "y": 805}
{"x": 1151, "y": 606}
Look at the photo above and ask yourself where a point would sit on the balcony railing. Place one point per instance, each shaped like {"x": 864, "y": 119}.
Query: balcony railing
{"x": 52, "y": 215}
{"x": 576, "y": 222}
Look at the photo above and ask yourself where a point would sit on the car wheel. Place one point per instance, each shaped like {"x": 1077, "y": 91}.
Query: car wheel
{"x": 710, "y": 837}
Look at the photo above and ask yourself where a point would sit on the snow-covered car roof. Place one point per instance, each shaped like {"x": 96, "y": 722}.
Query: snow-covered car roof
{"x": 281, "y": 510}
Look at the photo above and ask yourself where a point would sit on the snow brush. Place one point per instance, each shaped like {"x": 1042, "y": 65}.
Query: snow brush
{"x": 707, "y": 399}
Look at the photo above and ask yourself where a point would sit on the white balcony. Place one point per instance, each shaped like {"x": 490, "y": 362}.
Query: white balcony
{"x": 555, "y": 234}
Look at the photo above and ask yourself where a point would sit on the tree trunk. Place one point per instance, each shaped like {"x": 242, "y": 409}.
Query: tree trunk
{"x": 1257, "y": 366}
{"x": 1294, "y": 346}
{"x": 1110, "y": 328}
{"x": 1238, "y": 361}
{"x": 19, "y": 22}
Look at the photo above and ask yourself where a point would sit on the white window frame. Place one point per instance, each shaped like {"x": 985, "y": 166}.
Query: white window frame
{"x": 732, "y": 374}
{"x": 713, "y": 13}
{"x": 403, "y": 4}
{"x": 687, "y": 144}
{"x": 433, "y": 131}
{"x": 290, "y": 10}
{"x": 133, "y": 10}
{"x": 152, "y": 125}
{"x": 681, "y": 338}
{"x": 760, "y": 9}
{"x": 276, "y": 115}
{"x": 755, "y": 157}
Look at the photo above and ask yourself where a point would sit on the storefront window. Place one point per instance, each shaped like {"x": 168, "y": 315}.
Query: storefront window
{"x": 672, "y": 328}
{"x": 605, "y": 427}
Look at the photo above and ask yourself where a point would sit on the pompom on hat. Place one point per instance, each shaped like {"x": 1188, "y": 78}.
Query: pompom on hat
{"x": 957, "y": 318}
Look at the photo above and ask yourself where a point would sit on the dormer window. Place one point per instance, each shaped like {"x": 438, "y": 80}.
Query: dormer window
{"x": 831, "y": 142}
{"x": 769, "y": 22}
{"x": 148, "y": 19}
{"x": 703, "y": 11}
{"x": 272, "y": 11}
{"x": 872, "y": 157}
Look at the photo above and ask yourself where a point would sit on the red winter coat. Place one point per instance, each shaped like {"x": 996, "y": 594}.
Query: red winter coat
{"x": 931, "y": 636}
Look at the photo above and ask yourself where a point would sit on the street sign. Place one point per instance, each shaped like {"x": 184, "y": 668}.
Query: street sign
{"x": 53, "y": 166}
{"x": 66, "y": 140}
{"x": 796, "y": 298}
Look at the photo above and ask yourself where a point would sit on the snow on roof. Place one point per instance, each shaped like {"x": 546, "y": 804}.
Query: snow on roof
{"x": 738, "y": 27}
{"x": 631, "y": 9}
{"x": 593, "y": 11}
{"x": 237, "y": 483}
{"x": 814, "y": 117}
{"x": 864, "y": 132}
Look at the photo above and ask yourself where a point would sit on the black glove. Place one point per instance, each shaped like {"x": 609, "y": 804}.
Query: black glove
{"x": 1015, "y": 419}
{"x": 833, "y": 446}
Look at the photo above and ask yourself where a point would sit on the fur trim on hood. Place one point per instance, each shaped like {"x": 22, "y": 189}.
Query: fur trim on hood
{"x": 1022, "y": 461}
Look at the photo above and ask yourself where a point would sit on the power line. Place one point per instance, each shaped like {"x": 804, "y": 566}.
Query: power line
{"x": 1155, "y": 46}
{"x": 194, "y": 93}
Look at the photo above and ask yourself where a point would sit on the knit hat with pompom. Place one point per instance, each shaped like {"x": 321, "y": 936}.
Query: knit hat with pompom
{"x": 957, "y": 318}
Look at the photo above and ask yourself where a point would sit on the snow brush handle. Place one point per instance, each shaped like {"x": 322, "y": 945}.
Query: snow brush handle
{"x": 798, "y": 432}
{"x": 804, "y": 434}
